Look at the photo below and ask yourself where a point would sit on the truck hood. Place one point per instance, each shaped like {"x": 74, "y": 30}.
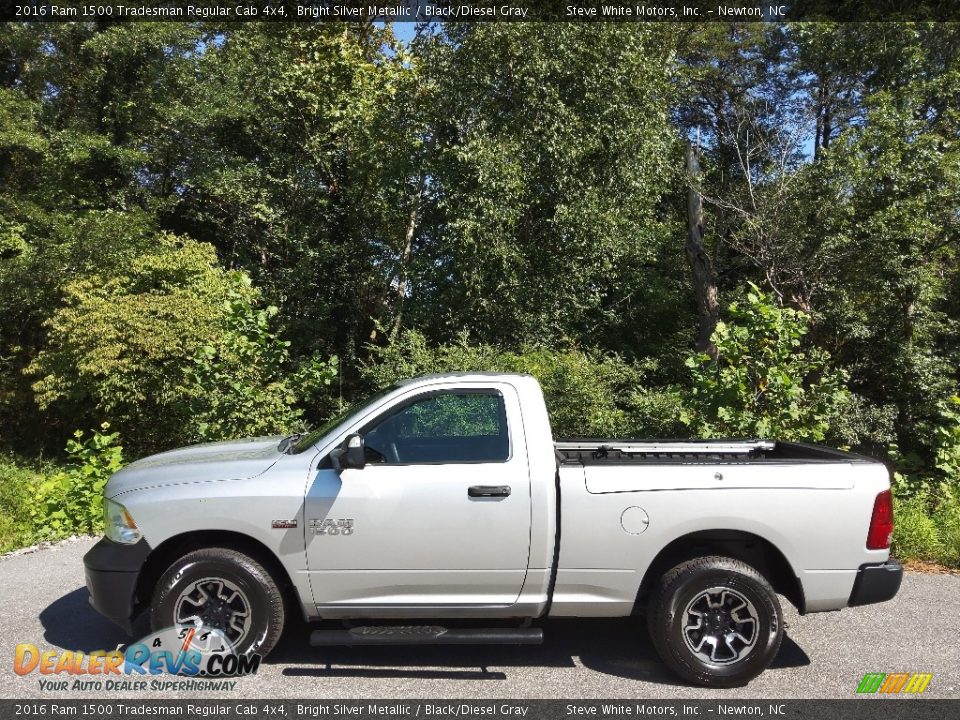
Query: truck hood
{"x": 228, "y": 460}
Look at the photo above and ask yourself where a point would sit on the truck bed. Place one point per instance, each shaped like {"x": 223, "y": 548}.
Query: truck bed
{"x": 593, "y": 451}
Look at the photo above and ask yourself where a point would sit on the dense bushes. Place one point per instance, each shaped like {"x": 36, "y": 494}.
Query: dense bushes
{"x": 928, "y": 494}
{"x": 399, "y": 194}
{"x": 928, "y": 527}
{"x": 172, "y": 349}
{"x": 18, "y": 478}
{"x": 43, "y": 501}
{"x": 120, "y": 345}
{"x": 71, "y": 500}
{"x": 244, "y": 383}
{"x": 764, "y": 380}
{"x": 587, "y": 392}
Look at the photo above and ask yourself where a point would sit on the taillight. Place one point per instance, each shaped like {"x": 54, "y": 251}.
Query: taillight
{"x": 881, "y": 522}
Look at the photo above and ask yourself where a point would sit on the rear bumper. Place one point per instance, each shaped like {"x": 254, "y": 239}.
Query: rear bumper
{"x": 876, "y": 583}
{"x": 112, "y": 571}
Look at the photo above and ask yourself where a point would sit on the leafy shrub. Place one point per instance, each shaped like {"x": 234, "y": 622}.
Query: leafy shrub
{"x": 121, "y": 346}
{"x": 587, "y": 392}
{"x": 946, "y": 518}
{"x": 657, "y": 412}
{"x": 863, "y": 424}
{"x": 915, "y": 475}
{"x": 171, "y": 348}
{"x": 17, "y": 487}
{"x": 928, "y": 498}
{"x": 241, "y": 379}
{"x": 915, "y": 535}
{"x": 947, "y": 442}
{"x": 764, "y": 381}
{"x": 71, "y": 501}
{"x": 926, "y": 519}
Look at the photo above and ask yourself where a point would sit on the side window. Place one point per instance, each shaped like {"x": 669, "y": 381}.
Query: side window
{"x": 443, "y": 428}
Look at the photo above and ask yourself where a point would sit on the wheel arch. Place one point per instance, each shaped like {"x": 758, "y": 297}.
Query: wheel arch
{"x": 754, "y": 550}
{"x": 162, "y": 556}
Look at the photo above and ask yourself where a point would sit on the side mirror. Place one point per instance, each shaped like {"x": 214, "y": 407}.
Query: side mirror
{"x": 350, "y": 454}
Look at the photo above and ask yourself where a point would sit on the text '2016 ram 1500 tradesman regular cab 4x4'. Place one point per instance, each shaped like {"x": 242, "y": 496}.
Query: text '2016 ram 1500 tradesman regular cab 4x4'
{"x": 446, "y": 498}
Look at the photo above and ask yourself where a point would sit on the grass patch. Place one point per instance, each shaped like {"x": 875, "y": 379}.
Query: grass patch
{"x": 44, "y": 501}
{"x": 946, "y": 518}
{"x": 18, "y": 482}
{"x": 927, "y": 528}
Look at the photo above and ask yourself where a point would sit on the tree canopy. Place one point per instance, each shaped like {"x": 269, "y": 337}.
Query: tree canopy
{"x": 215, "y": 230}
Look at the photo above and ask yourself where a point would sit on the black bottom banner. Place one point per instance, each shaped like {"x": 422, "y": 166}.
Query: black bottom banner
{"x": 875, "y": 708}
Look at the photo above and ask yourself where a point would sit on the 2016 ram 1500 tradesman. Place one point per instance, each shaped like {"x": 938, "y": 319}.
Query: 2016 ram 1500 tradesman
{"x": 446, "y": 498}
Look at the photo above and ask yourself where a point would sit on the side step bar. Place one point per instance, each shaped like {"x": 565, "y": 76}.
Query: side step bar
{"x": 426, "y": 635}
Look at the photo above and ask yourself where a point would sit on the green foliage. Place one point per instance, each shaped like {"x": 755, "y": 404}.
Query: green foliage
{"x": 927, "y": 513}
{"x": 290, "y": 156}
{"x": 71, "y": 501}
{"x": 519, "y": 181}
{"x": 18, "y": 481}
{"x": 947, "y": 442}
{"x": 946, "y": 518}
{"x": 658, "y": 412}
{"x": 172, "y": 349}
{"x": 915, "y": 533}
{"x": 586, "y": 391}
{"x": 452, "y": 416}
{"x": 915, "y": 475}
{"x": 240, "y": 379}
{"x": 877, "y": 218}
{"x": 120, "y": 346}
{"x": 764, "y": 381}
{"x": 548, "y": 164}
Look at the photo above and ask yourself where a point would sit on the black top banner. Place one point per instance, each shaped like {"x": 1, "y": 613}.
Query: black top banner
{"x": 423, "y": 11}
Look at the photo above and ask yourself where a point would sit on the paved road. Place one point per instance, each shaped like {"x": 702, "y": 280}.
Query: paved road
{"x": 43, "y": 601}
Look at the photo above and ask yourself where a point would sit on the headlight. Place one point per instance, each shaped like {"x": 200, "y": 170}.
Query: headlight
{"x": 118, "y": 523}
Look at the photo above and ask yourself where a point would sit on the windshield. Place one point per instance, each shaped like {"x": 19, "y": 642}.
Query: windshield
{"x": 312, "y": 437}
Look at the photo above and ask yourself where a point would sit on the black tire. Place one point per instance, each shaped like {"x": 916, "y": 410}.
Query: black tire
{"x": 686, "y": 586}
{"x": 259, "y": 590}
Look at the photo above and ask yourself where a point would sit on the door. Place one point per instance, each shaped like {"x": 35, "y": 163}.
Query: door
{"x": 438, "y": 517}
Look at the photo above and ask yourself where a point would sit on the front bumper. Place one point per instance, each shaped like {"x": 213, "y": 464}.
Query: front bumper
{"x": 876, "y": 583}
{"x": 112, "y": 571}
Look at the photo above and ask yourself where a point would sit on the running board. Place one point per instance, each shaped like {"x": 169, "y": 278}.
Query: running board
{"x": 426, "y": 635}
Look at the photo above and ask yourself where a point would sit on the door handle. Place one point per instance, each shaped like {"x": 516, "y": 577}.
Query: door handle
{"x": 489, "y": 491}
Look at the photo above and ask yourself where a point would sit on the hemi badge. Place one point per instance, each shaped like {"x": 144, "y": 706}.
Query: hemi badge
{"x": 283, "y": 524}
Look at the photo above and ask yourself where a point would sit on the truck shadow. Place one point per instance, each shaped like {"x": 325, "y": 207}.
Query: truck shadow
{"x": 610, "y": 646}
{"x": 70, "y": 623}
{"x": 616, "y": 647}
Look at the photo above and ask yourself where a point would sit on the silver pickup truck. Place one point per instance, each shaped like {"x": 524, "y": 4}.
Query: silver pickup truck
{"x": 445, "y": 500}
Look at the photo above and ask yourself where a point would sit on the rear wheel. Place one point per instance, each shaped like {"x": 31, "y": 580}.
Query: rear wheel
{"x": 223, "y": 589}
{"x": 715, "y": 621}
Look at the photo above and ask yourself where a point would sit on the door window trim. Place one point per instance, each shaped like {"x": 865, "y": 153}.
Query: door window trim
{"x": 403, "y": 405}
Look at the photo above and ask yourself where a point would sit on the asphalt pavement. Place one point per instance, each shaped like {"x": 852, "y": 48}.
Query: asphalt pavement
{"x": 43, "y": 601}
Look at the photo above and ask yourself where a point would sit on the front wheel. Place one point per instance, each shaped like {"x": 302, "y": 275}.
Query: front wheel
{"x": 715, "y": 621}
{"x": 223, "y": 589}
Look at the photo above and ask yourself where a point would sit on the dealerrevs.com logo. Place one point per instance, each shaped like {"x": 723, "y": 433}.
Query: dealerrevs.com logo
{"x": 894, "y": 683}
{"x": 203, "y": 654}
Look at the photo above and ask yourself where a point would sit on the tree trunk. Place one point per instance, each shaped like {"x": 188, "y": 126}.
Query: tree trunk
{"x": 404, "y": 270}
{"x": 704, "y": 283}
